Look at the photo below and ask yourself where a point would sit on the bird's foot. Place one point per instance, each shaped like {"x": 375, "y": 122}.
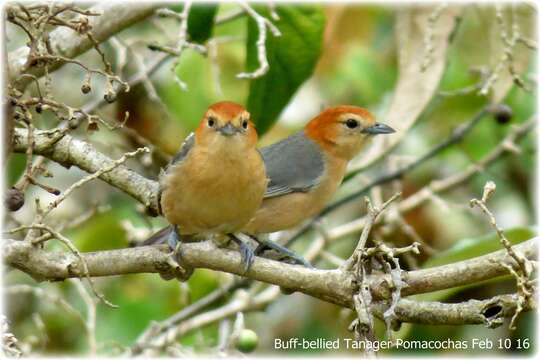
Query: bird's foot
{"x": 245, "y": 251}
{"x": 181, "y": 272}
{"x": 267, "y": 244}
{"x": 173, "y": 240}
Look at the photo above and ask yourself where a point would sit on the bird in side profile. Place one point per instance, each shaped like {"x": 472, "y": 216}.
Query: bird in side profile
{"x": 217, "y": 180}
{"x": 306, "y": 169}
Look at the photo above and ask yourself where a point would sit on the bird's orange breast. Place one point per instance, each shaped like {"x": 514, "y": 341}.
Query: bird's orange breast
{"x": 213, "y": 191}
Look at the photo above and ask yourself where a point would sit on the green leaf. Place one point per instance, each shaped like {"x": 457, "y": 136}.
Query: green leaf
{"x": 292, "y": 58}
{"x": 200, "y": 21}
{"x": 472, "y": 247}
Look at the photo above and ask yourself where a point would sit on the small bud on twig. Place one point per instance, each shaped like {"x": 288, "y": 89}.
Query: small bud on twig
{"x": 92, "y": 126}
{"x": 85, "y": 88}
{"x": 489, "y": 189}
{"x": 110, "y": 97}
{"x": 502, "y": 113}
{"x": 14, "y": 199}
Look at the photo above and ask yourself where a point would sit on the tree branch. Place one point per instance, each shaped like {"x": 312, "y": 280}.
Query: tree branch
{"x": 67, "y": 43}
{"x": 68, "y": 151}
{"x": 456, "y": 274}
{"x": 490, "y": 312}
{"x": 329, "y": 285}
{"x": 335, "y": 286}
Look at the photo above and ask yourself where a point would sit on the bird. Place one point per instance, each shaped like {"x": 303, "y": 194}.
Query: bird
{"x": 216, "y": 181}
{"x": 306, "y": 168}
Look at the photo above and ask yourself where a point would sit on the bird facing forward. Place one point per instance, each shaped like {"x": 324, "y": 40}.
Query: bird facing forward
{"x": 217, "y": 180}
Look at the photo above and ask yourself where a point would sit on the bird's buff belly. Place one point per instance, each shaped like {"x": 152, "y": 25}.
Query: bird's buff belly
{"x": 224, "y": 205}
{"x": 284, "y": 212}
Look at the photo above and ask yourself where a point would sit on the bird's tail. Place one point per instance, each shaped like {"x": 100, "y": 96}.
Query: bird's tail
{"x": 159, "y": 237}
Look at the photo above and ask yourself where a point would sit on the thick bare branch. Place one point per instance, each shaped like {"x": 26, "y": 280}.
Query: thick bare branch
{"x": 334, "y": 286}
{"x": 68, "y": 151}
{"x": 457, "y": 274}
{"x": 490, "y": 312}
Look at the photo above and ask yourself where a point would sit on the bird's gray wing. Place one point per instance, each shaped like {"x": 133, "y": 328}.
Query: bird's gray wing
{"x": 184, "y": 149}
{"x": 294, "y": 164}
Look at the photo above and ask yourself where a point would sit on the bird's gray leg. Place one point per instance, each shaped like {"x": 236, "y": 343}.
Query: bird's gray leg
{"x": 174, "y": 238}
{"x": 181, "y": 271}
{"x": 280, "y": 249}
{"x": 245, "y": 251}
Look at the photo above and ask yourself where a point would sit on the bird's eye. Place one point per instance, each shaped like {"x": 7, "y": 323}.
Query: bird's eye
{"x": 351, "y": 123}
{"x": 211, "y": 121}
{"x": 245, "y": 124}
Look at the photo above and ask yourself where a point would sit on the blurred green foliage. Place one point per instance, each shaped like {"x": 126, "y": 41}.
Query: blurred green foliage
{"x": 472, "y": 247}
{"x": 355, "y": 64}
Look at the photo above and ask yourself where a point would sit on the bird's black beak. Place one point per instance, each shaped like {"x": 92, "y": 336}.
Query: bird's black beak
{"x": 378, "y": 128}
{"x": 228, "y": 130}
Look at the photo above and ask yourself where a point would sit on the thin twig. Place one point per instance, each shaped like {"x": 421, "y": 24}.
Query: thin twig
{"x": 90, "y": 322}
{"x": 41, "y": 294}
{"x": 74, "y": 250}
{"x": 54, "y": 204}
{"x": 522, "y": 272}
{"x": 262, "y": 25}
{"x": 373, "y": 214}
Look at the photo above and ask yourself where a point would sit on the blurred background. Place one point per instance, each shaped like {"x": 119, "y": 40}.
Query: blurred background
{"x": 350, "y": 56}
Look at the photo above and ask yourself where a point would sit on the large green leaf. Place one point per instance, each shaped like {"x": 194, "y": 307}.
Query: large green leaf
{"x": 292, "y": 58}
{"x": 200, "y": 20}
